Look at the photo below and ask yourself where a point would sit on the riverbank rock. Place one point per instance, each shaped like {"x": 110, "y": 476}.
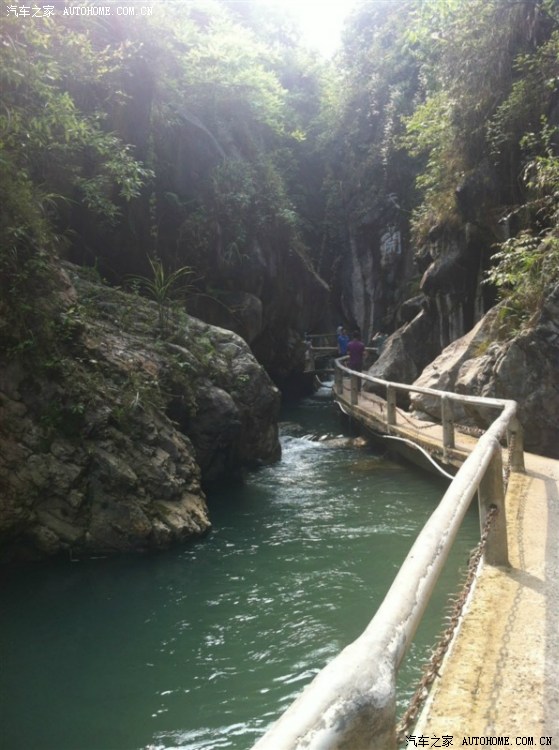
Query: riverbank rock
{"x": 107, "y": 439}
{"x": 523, "y": 368}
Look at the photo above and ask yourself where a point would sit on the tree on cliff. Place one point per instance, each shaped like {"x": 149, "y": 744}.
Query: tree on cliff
{"x": 470, "y": 53}
{"x": 55, "y": 153}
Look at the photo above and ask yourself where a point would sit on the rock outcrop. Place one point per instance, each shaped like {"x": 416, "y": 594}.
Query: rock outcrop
{"x": 408, "y": 350}
{"x": 451, "y": 267}
{"x": 105, "y": 444}
{"x": 523, "y": 368}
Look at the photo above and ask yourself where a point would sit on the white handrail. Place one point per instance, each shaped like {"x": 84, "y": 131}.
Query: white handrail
{"x": 477, "y": 400}
{"x": 351, "y": 703}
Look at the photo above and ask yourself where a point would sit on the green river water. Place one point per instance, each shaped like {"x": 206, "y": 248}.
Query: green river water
{"x": 203, "y": 647}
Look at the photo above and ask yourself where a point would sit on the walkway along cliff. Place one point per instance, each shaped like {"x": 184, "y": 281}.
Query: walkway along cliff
{"x": 351, "y": 703}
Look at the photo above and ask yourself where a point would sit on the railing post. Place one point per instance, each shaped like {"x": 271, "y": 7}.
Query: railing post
{"x": 390, "y": 405}
{"x": 447, "y": 418}
{"x": 515, "y": 441}
{"x": 491, "y": 492}
{"x": 339, "y": 381}
{"x": 354, "y": 390}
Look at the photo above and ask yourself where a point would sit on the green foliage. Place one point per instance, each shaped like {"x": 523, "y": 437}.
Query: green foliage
{"x": 25, "y": 270}
{"x": 527, "y": 264}
{"x": 54, "y": 154}
{"x": 375, "y": 88}
{"x": 430, "y": 136}
{"x": 536, "y": 83}
{"x": 467, "y": 52}
{"x": 235, "y": 68}
{"x": 541, "y": 174}
{"x": 43, "y": 132}
{"x": 243, "y": 200}
{"x": 524, "y": 267}
{"x": 164, "y": 287}
{"x": 233, "y": 193}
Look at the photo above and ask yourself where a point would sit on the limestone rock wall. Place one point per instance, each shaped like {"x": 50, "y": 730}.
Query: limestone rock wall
{"x": 451, "y": 337}
{"x": 375, "y": 271}
{"x": 386, "y": 281}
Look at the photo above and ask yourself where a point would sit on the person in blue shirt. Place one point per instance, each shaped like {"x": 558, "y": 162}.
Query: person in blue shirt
{"x": 343, "y": 341}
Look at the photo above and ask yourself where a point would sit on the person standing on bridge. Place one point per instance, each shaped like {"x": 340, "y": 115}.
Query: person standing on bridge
{"x": 356, "y": 349}
{"x": 343, "y": 341}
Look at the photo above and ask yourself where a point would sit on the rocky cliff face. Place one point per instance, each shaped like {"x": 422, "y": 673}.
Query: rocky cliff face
{"x": 106, "y": 441}
{"x": 376, "y": 270}
{"x": 272, "y": 308}
{"x": 450, "y": 338}
{"x": 387, "y": 281}
{"x": 228, "y": 219}
{"x": 522, "y": 367}
{"x": 396, "y": 282}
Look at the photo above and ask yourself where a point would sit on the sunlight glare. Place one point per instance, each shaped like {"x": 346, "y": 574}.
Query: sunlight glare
{"x": 320, "y": 21}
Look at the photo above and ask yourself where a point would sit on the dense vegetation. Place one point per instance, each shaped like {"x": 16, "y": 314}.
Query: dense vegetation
{"x": 207, "y": 138}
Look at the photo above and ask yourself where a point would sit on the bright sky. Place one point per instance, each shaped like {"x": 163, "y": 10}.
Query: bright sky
{"x": 320, "y": 20}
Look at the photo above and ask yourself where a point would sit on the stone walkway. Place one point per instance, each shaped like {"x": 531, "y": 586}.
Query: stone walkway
{"x": 501, "y": 678}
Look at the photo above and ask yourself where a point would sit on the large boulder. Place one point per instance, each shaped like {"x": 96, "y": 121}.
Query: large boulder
{"x": 407, "y": 351}
{"x": 106, "y": 441}
{"x": 522, "y": 368}
{"x": 444, "y": 372}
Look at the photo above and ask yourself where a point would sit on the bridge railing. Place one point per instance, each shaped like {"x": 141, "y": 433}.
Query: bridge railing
{"x": 351, "y": 703}
{"x": 513, "y": 431}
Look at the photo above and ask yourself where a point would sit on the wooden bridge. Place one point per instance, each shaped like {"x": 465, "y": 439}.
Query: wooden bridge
{"x": 499, "y": 681}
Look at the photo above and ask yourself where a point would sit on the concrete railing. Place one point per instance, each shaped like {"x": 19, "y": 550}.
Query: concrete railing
{"x": 513, "y": 428}
{"x": 351, "y": 703}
